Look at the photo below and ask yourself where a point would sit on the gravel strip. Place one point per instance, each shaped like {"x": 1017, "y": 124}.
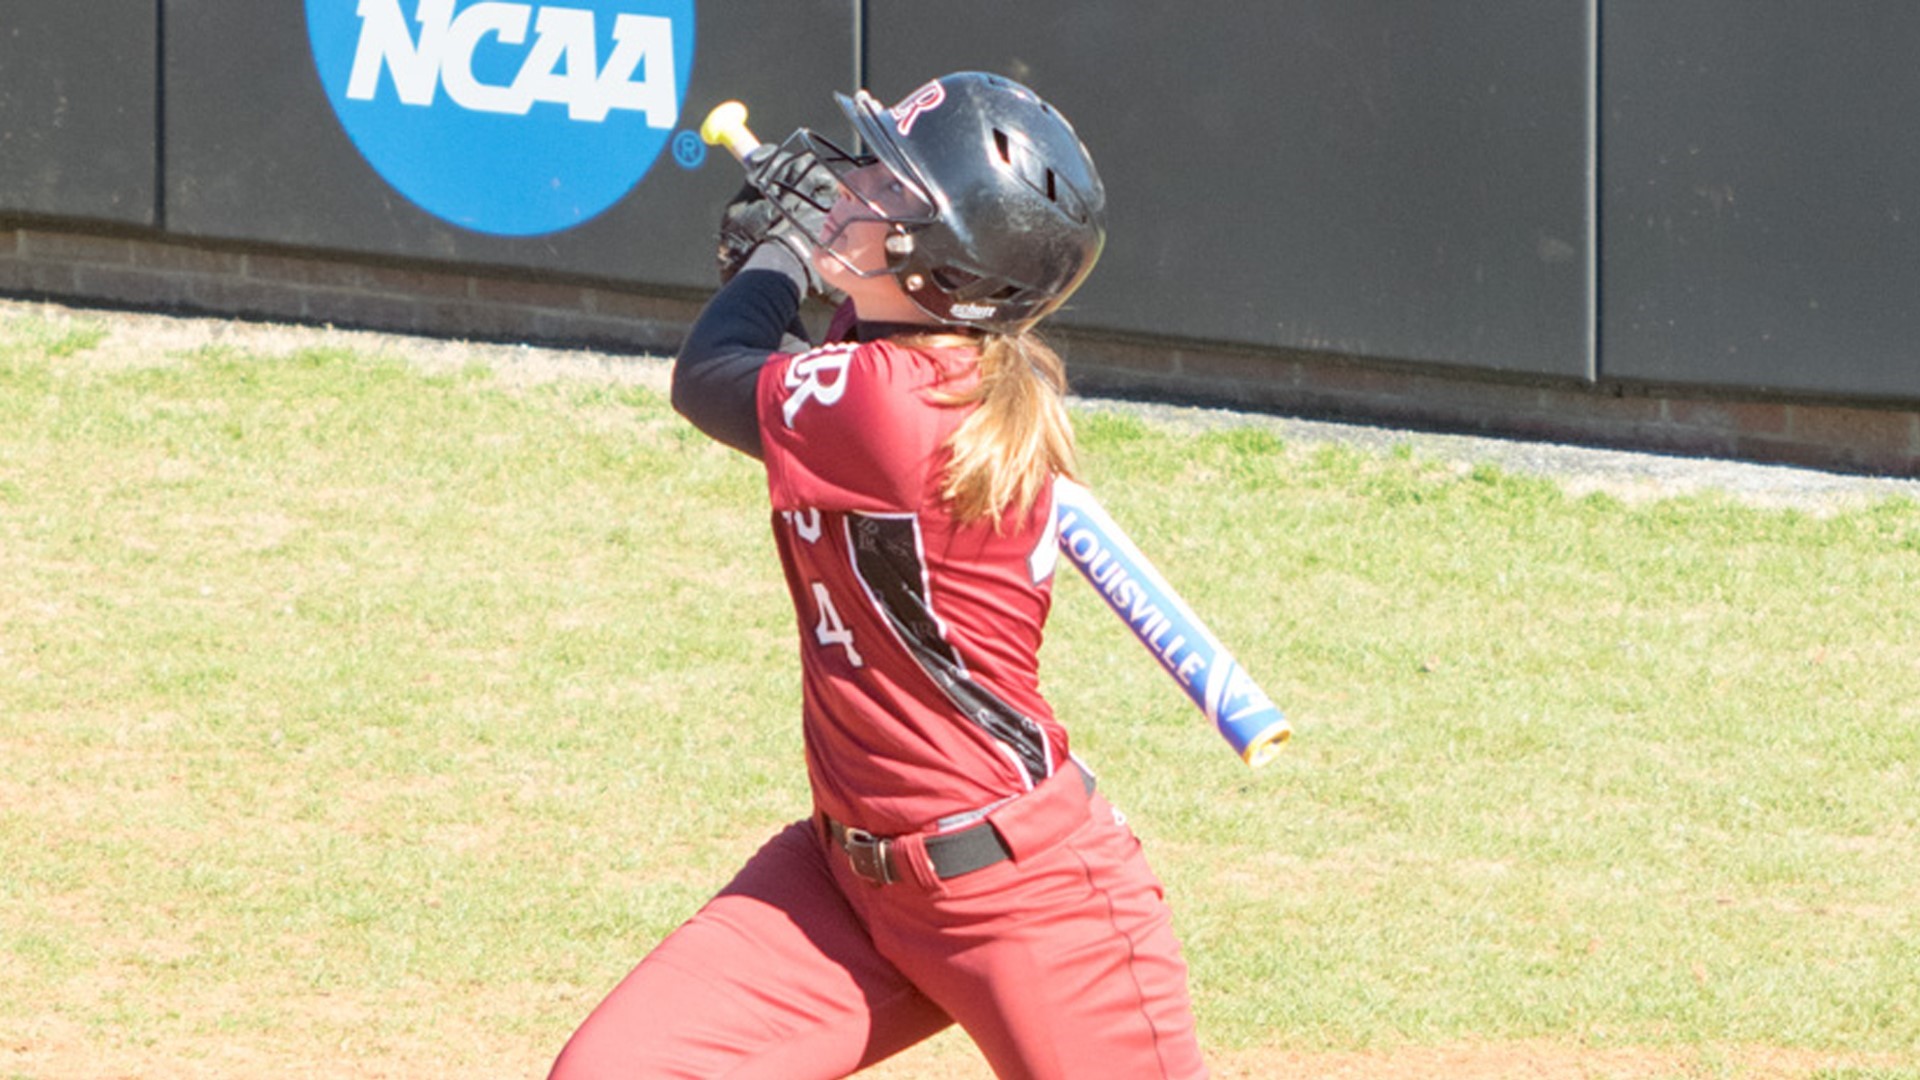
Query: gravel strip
{"x": 1628, "y": 475}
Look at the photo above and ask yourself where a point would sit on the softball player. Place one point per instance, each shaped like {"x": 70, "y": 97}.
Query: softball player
{"x": 959, "y": 865}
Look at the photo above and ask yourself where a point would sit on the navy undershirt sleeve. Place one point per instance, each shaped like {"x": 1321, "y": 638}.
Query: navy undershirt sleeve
{"x": 716, "y": 374}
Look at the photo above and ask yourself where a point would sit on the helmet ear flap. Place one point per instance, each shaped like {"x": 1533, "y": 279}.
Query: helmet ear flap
{"x": 966, "y": 285}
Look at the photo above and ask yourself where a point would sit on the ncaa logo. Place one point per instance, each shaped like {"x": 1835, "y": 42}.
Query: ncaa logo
{"x": 511, "y": 117}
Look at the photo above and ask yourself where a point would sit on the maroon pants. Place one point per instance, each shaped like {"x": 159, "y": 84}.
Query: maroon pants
{"x": 1059, "y": 963}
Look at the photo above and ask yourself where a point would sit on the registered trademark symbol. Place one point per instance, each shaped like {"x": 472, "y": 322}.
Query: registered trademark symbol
{"x": 689, "y": 150}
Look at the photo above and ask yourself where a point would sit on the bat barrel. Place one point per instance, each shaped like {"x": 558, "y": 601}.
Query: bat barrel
{"x": 1162, "y": 621}
{"x": 1259, "y": 738}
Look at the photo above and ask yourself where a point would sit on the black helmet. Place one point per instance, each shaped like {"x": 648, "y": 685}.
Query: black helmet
{"x": 997, "y": 213}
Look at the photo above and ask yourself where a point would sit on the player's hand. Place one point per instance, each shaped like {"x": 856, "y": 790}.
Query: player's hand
{"x": 785, "y": 198}
{"x": 748, "y": 218}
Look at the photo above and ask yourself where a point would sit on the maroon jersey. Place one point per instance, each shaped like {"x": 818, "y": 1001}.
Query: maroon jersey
{"x": 919, "y": 636}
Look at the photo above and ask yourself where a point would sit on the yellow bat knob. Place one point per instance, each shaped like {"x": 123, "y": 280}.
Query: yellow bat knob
{"x": 726, "y": 126}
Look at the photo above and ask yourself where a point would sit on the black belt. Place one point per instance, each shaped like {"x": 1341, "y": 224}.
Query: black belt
{"x": 963, "y": 851}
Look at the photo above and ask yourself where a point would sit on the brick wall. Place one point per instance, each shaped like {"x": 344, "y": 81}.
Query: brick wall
{"x": 147, "y": 273}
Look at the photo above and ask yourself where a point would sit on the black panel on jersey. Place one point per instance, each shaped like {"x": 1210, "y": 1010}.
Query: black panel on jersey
{"x": 886, "y": 554}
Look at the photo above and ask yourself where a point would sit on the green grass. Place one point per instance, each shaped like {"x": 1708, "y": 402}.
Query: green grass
{"x": 1631, "y": 774}
{"x": 347, "y": 710}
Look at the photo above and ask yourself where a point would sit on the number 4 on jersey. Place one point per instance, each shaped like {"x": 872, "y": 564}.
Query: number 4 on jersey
{"x": 830, "y": 630}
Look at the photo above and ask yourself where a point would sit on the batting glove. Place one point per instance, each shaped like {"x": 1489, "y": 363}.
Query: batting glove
{"x": 785, "y": 199}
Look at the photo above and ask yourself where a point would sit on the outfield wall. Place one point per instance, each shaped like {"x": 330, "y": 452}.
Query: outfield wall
{"x": 1672, "y": 226}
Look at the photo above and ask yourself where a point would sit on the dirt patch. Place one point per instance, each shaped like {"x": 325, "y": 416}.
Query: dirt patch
{"x": 949, "y": 1057}
{"x": 54, "y": 1052}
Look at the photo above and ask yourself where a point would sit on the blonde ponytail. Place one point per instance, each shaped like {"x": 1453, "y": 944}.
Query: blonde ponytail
{"x": 1018, "y": 435}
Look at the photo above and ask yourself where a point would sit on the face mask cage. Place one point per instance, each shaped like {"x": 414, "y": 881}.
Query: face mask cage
{"x": 829, "y": 171}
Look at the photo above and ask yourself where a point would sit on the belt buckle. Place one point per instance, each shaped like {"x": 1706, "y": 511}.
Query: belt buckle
{"x": 869, "y": 855}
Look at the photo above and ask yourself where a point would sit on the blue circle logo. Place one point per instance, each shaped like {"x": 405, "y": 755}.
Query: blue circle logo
{"x": 511, "y": 117}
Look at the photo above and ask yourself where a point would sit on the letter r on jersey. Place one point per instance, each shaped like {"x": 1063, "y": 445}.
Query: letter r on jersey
{"x": 816, "y": 376}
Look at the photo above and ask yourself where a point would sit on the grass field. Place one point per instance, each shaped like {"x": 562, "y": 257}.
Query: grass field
{"x": 361, "y": 718}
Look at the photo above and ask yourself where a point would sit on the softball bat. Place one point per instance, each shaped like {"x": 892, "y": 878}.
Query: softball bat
{"x": 1161, "y": 619}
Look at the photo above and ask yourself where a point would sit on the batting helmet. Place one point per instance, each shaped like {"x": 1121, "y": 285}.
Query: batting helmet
{"x": 996, "y": 214}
